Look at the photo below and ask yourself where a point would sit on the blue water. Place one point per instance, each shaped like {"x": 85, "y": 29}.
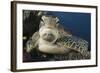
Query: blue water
{"x": 79, "y": 24}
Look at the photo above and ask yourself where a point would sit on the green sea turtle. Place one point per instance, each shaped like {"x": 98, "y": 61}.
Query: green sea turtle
{"x": 52, "y": 38}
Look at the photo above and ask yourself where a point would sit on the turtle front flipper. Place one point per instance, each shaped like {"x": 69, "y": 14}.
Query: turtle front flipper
{"x": 75, "y": 44}
{"x": 32, "y": 42}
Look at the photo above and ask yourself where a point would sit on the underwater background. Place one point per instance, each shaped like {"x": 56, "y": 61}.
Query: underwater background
{"x": 78, "y": 23}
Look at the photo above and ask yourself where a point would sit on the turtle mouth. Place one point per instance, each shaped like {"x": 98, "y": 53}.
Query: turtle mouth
{"x": 49, "y": 37}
